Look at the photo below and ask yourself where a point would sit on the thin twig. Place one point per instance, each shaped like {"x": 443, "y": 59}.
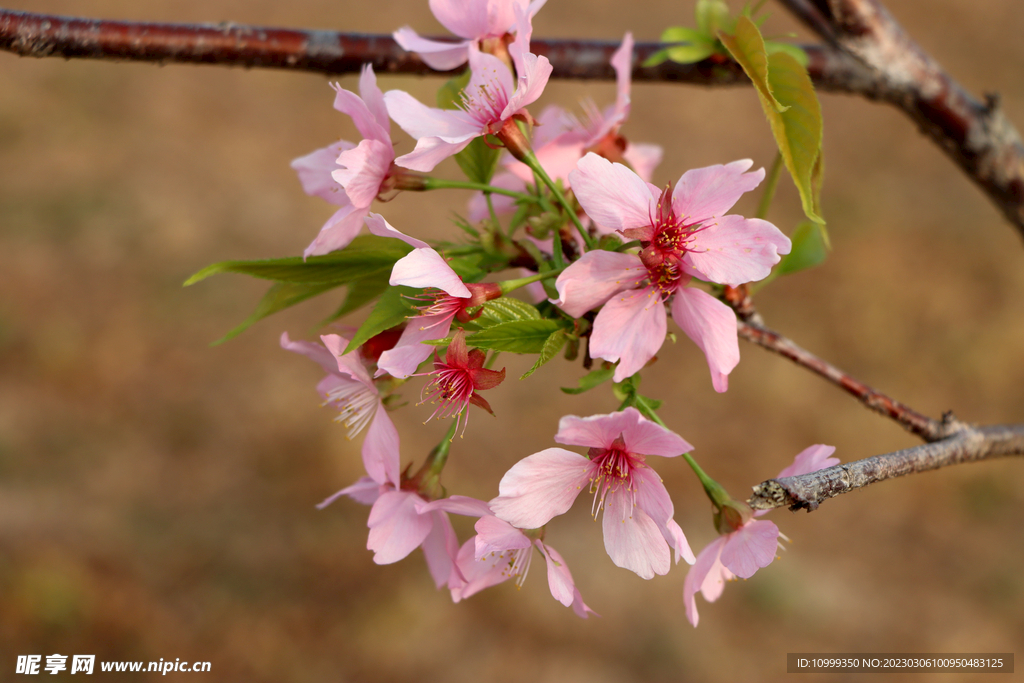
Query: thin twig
{"x": 916, "y": 423}
{"x": 976, "y": 135}
{"x": 752, "y": 328}
{"x": 950, "y": 442}
{"x": 967, "y": 444}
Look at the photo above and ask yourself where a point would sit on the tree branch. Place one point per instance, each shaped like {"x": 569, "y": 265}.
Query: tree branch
{"x": 914, "y": 422}
{"x": 950, "y": 442}
{"x": 976, "y": 135}
{"x": 876, "y": 60}
{"x": 968, "y": 444}
{"x": 751, "y": 327}
{"x": 331, "y": 52}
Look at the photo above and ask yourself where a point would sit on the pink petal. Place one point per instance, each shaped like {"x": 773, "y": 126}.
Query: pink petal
{"x": 315, "y": 352}
{"x": 712, "y": 327}
{"x": 677, "y": 539}
{"x": 630, "y": 328}
{"x": 339, "y": 230}
{"x": 653, "y": 498}
{"x": 641, "y": 435}
{"x": 811, "y": 459}
{"x": 540, "y": 486}
{"x": 622, "y": 62}
{"x": 402, "y": 360}
{"x": 650, "y": 438}
{"x": 733, "y": 250}
{"x": 440, "y": 56}
{"x": 644, "y": 158}
{"x": 700, "y": 573}
{"x": 579, "y": 607}
{"x": 710, "y": 192}
{"x": 489, "y": 89}
{"x": 611, "y": 194}
{"x": 380, "y": 227}
{"x": 459, "y": 505}
{"x": 596, "y": 277}
{"x": 466, "y": 19}
{"x": 426, "y": 268}
{"x": 441, "y": 548}
{"x": 421, "y": 121}
{"x": 478, "y": 574}
{"x": 373, "y": 98}
{"x": 632, "y": 538}
{"x": 396, "y": 529}
{"x": 533, "y": 74}
{"x": 380, "y": 449}
{"x": 750, "y": 548}
{"x": 314, "y": 171}
{"x": 365, "y": 491}
{"x": 560, "y": 582}
{"x": 347, "y": 364}
{"x": 431, "y": 151}
{"x": 366, "y": 123}
{"x": 496, "y": 536}
{"x": 365, "y": 168}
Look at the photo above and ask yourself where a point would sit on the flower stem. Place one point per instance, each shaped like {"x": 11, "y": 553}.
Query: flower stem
{"x": 530, "y": 159}
{"x": 439, "y": 456}
{"x": 511, "y": 285}
{"x": 769, "y": 187}
{"x": 441, "y": 184}
{"x": 712, "y": 488}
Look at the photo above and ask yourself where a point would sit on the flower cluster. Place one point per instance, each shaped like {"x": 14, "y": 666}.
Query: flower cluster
{"x": 609, "y": 256}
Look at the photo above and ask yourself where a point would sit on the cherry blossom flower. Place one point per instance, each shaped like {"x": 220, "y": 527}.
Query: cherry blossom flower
{"x": 491, "y": 100}
{"x": 638, "y": 524}
{"x": 349, "y": 388}
{"x": 751, "y": 546}
{"x": 397, "y": 523}
{"x": 562, "y": 139}
{"x": 425, "y": 268}
{"x": 500, "y": 552}
{"x": 683, "y": 233}
{"x": 475, "y": 21}
{"x": 456, "y": 379}
{"x": 352, "y": 176}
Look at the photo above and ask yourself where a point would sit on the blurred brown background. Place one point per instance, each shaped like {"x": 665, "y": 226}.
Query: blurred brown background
{"x": 156, "y": 494}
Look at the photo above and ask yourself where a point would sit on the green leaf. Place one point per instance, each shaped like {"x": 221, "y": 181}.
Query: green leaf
{"x": 280, "y": 296}
{"x": 809, "y": 249}
{"x": 794, "y": 51}
{"x": 712, "y": 16}
{"x": 392, "y": 309}
{"x": 747, "y": 48}
{"x": 478, "y": 161}
{"x": 521, "y": 336}
{"x": 591, "y": 380}
{"x": 360, "y": 293}
{"x": 552, "y": 345}
{"x": 789, "y": 102}
{"x": 695, "y": 46}
{"x": 366, "y": 256}
{"x": 505, "y": 310}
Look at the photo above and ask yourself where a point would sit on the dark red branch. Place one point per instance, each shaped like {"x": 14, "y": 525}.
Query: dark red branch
{"x": 330, "y": 52}
{"x": 921, "y": 425}
{"x": 967, "y": 444}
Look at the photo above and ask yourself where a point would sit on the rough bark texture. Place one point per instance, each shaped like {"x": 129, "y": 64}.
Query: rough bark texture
{"x": 968, "y": 444}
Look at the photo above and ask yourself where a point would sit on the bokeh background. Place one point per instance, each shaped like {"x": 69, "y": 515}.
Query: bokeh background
{"x": 157, "y": 495}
